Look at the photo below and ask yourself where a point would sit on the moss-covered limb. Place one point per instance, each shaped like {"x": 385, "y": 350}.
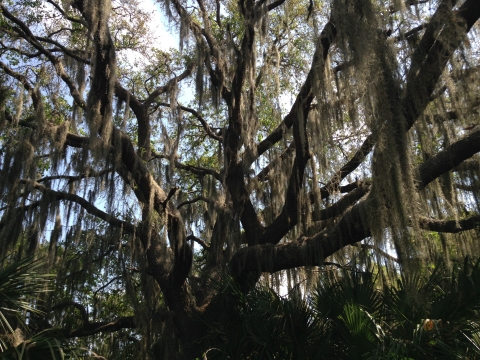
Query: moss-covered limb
{"x": 242, "y": 122}
{"x": 275, "y": 4}
{"x": 289, "y": 215}
{"x": 92, "y": 328}
{"x": 199, "y": 117}
{"x": 59, "y": 47}
{"x": 343, "y": 204}
{"x": 73, "y": 178}
{"x": 298, "y": 115}
{"x": 34, "y": 93}
{"x": 434, "y": 53}
{"x": 354, "y": 225}
{"x": 101, "y": 93}
{"x": 200, "y": 242}
{"x": 326, "y": 38}
{"x": 432, "y": 31}
{"x": 421, "y": 85}
{"x": 450, "y": 226}
{"x": 325, "y": 193}
{"x": 135, "y": 104}
{"x": 143, "y": 119}
{"x": 66, "y": 16}
{"x": 19, "y": 51}
{"x": 141, "y": 109}
{"x": 72, "y": 140}
{"x": 411, "y": 32}
{"x": 198, "y": 170}
{"x": 53, "y": 195}
{"x": 104, "y": 71}
{"x": 255, "y": 233}
{"x": 350, "y": 166}
{"x": 76, "y": 305}
{"x": 263, "y": 174}
{"x": 168, "y": 86}
{"x": 448, "y": 159}
{"x": 217, "y": 205}
{"x": 466, "y": 187}
{"x": 207, "y": 26}
{"x": 205, "y": 37}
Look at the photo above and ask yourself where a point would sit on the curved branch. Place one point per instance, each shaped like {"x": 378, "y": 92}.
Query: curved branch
{"x": 165, "y": 88}
{"x": 65, "y": 50}
{"x": 202, "y": 243}
{"x": 77, "y": 20}
{"x": 200, "y": 118}
{"x": 79, "y": 307}
{"x": 89, "y": 207}
{"x": 198, "y": 170}
{"x": 194, "y": 200}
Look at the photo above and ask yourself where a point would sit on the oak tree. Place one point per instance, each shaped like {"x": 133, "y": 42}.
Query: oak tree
{"x": 281, "y": 137}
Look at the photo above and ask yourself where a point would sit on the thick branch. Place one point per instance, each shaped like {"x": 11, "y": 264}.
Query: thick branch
{"x": 437, "y": 45}
{"x": 202, "y": 243}
{"x": 326, "y": 38}
{"x": 354, "y": 225}
{"x": 450, "y": 226}
{"x": 448, "y": 158}
{"x": 343, "y": 204}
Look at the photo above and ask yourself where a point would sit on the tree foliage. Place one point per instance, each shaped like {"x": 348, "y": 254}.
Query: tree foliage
{"x": 282, "y": 137}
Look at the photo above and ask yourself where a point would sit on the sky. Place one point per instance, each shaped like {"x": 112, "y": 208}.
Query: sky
{"x": 158, "y": 22}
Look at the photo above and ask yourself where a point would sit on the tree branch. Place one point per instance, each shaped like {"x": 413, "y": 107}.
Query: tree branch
{"x": 71, "y": 179}
{"x": 326, "y": 38}
{"x": 89, "y": 207}
{"x": 165, "y": 88}
{"x": 202, "y": 243}
{"x": 126, "y": 322}
{"x": 354, "y": 225}
{"x": 200, "y": 118}
{"x": 343, "y": 204}
{"x": 79, "y": 307}
{"x": 194, "y": 200}
{"x": 450, "y": 226}
{"x": 25, "y": 33}
{"x": 197, "y": 170}
{"x": 449, "y": 158}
